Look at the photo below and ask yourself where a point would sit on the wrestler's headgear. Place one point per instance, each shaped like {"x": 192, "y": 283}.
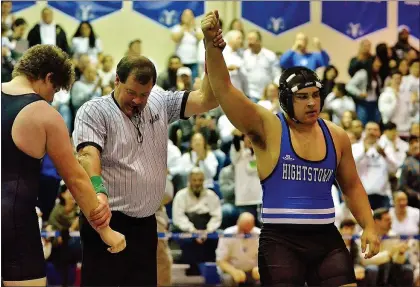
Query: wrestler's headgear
{"x": 291, "y": 81}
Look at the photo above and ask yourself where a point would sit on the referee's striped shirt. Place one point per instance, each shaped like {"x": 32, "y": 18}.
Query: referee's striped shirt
{"x": 134, "y": 172}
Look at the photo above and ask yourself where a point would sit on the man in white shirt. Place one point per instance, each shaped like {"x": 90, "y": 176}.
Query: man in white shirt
{"x": 237, "y": 258}
{"x": 405, "y": 219}
{"x": 374, "y": 166}
{"x": 411, "y": 83}
{"x": 395, "y": 105}
{"x": 248, "y": 190}
{"x": 393, "y": 145}
{"x": 196, "y": 209}
{"x": 260, "y": 65}
{"x": 48, "y": 32}
{"x": 234, "y": 59}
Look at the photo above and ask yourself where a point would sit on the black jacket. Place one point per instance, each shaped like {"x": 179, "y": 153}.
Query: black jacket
{"x": 34, "y": 37}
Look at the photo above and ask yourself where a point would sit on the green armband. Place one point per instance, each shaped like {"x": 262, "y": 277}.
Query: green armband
{"x": 98, "y": 185}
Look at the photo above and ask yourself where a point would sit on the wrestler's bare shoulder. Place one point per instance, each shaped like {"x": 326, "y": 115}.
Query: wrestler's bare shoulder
{"x": 338, "y": 134}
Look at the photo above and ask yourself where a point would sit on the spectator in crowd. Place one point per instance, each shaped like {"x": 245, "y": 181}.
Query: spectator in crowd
{"x": 248, "y": 191}
{"x": 338, "y": 102}
{"x": 405, "y": 219}
{"x": 356, "y": 128}
{"x": 396, "y": 105}
{"x": 389, "y": 264}
{"x": 200, "y": 156}
{"x": 227, "y": 189}
{"x": 197, "y": 209}
{"x": 384, "y": 54}
{"x": 86, "y": 88}
{"x": 62, "y": 104}
{"x": 348, "y": 230}
{"x": 346, "y": 119}
{"x": 299, "y": 55}
{"x": 167, "y": 80}
{"x": 373, "y": 167}
{"x": 187, "y": 35}
{"x": 65, "y": 249}
{"x": 260, "y": 66}
{"x": 365, "y": 87}
{"x": 411, "y": 84}
{"x": 106, "y": 73}
{"x": 270, "y": 98}
{"x": 392, "y": 144}
{"x": 233, "y": 55}
{"x": 85, "y": 41}
{"x": 328, "y": 79}
{"x": 237, "y": 258}
{"x": 7, "y": 18}
{"x": 19, "y": 30}
{"x": 184, "y": 79}
{"x": 80, "y": 65}
{"x": 363, "y": 60}
{"x": 164, "y": 256}
{"x": 409, "y": 180}
{"x": 403, "y": 67}
{"x": 237, "y": 24}
{"x": 48, "y": 32}
{"x": 402, "y": 47}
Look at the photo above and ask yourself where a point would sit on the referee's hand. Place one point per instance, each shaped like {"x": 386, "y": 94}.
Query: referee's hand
{"x": 101, "y": 216}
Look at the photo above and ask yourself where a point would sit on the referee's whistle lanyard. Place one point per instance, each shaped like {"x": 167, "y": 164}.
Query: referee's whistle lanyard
{"x": 138, "y": 119}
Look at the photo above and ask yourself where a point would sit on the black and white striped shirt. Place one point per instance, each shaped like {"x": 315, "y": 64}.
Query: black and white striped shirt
{"x": 134, "y": 172}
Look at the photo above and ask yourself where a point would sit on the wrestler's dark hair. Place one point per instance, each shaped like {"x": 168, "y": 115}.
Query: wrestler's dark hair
{"x": 40, "y": 60}
{"x": 141, "y": 67}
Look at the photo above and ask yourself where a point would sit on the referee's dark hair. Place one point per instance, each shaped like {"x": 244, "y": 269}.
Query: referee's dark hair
{"x": 141, "y": 67}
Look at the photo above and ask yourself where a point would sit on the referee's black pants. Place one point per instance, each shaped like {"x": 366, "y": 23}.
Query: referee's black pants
{"x": 134, "y": 266}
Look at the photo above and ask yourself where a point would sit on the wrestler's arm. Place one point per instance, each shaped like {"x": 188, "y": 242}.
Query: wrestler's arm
{"x": 353, "y": 191}
{"x": 248, "y": 117}
{"x": 59, "y": 148}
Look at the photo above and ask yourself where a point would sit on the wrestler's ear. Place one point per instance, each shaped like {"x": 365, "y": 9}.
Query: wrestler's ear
{"x": 48, "y": 78}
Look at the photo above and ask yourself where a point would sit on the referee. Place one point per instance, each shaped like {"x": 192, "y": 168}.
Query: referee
{"x": 122, "y": 140}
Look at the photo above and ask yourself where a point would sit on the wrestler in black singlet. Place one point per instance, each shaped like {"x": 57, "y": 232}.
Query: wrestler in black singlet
{"x": 22, "y": 257}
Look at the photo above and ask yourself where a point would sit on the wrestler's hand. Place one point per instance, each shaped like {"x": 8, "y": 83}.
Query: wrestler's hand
{"x": 370, "y": 237}
{"x": 101, "y": 216}
{"x": 210, "y": 25}
{"x": 114, "y": 239}
{"x": 239, "y": 276}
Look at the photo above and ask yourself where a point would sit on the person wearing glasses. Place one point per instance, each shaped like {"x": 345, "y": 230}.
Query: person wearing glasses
{"x": 122, "y": 139}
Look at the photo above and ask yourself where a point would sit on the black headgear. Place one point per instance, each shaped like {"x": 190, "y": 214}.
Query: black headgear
{"x": 291, "y": 81}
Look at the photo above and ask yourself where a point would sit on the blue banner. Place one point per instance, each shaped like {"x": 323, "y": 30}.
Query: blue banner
{"x": 409, "y": 15}
{"x": 86, "y": 10}
{"x": 20, "y": 5}
{"x": 353, "y": 18}
{"x": 276, "y": 16}
{"x": 167, "y": 13}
